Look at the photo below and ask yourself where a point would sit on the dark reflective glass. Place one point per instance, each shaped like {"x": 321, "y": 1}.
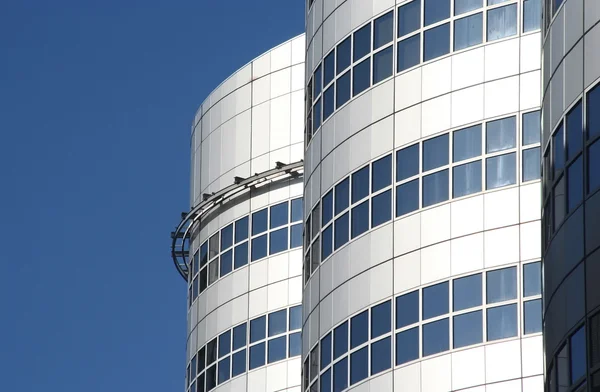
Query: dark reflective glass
{"x": 501, "y": 134}
{"x": 382, "y": 173}
{"x": 462, "y": 6}
{"x": 533, "y": 316}
{"x": 531, "y": 128}
{"x": 562, "y": 370}
{"x": 328, "y": 102}
{"x": 213, "y": 246}
{"x": 277, "y": 349}
{"x": 316, "y": 220}
{"x": 226, "y": 237}
{"x": 409, "y": 52}
{"x": 196, "y": 262}
{"x": 435, "y": 300}
{"x": 362, "y": 42}
{"x": 575, "y": 184}
{"x": 593, "y": 165}
{"x": 277, "y": 322}
{"x": 257, "y": 355}
{"x": 325, "y": 381}
{"x": 341, "y": 230}
{"x": 381, "y": 319}
{"x": 259, "y": 247}
{"x": 501, "y": 171}
{"x": 468, "y": 31}
{"x": 407, "y": 345}
{"x": 532, "y": 15}
{"x": 467, "y": 292}
{"x": 360, "y": 184}
{"x": 435, "y": 188}
{"x": 241, "y": 255}
{"x": 211, "y": 378}
{"x": 258, "y": 328}
{"x": 279, "y": 215}
{"x": 381, "y": 208}
{"x": 342, "y": 94}
{"x": 203, "y": 279}
{"x": 296, "y": 236}
{"x": 574, "y": 131}
{"x": 578, "y": 361}
{"x": 466, "y": 143}
{"x": 316, "y": 123}
{"x": 436, "y": 10}
{"x": 531, "y": 164}
{"x": 360, "y": 219}
{"x": 381, "y": 355}
{"x": 317, "y": 81}
{"x": 295, "y": 317}
{"x": 559, "y": 203}
{"x": 295, "y": 344}
{"x": 409, "y": 17}
{"x": 594, "y": 331}
{"x": 211, "y": 351}
{"x": 558, "y": 150}
{"x": 192, "y": 368}
{"x": 436, "y": 41}
{"x": 383, "y": 64}
{"x": 532, "y": 279}
{"x": 329, "y": 68}
{"x": 238, "y": 363}
{"x": 407, "y": 309}
{"x": 201, "y": 357}
{"x": 224, "y": 370}
{"x": 502, "y": 322}
{"x": 359, "y": 329}
{"x": 226, "y": 262}
{"x": 361, "y": 79}
{"x": 436, "y": 337}
{"x": 407, "y": 162}
{"x": 278, "y": 241}
{"x": 407, "y": 197}
{"x": 325, "y": 351}
{"x": 340, "y": 340}
{"x": 327, "y": 242}
{"x": 435, "y": 152}
{"x": 359, "y": 365}
{"x": 466, "y": 179}
{"x": 343, "y": 56}
{"x": 342, "y": 195}
{"x": 259, "y": 222}
{"x": 501, "y": 285}
{"x": 204, "y": 254}
{"x": 593, "y": 113}
{"x": 239, "y": 336}
{"x": 467, "y": 329}
{"x": 383, "y": 30}
{"x": 241, "y": 229}
{"x": 340, "y": 375}
{"x": 327, "y": 213}
{"x": 501, "y": 22}
{"x": 195, "y": 289}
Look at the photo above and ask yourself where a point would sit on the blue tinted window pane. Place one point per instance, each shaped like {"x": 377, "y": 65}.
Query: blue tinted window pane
{"x": 241, "y": 255}
{"x": 316, "y": 123}
{"x": 239, "y": 336}
{"x": 211, "y": 378}
{"x": 204, "y": 253}
{"x": 340, "y": 375}
{"x": 238, "y": 363}
{"x": 342, "y": 90}
{"x": 317, "y": 81}
{"x": 407, "y": 197}
{"x": 435, "y": 300}
{"x": 462, "y": 6}
{"x": 468, "y": 329}
{"x": 409, "y": 52}
{"x": 226, "y": 237}
{"x": 327, "y": 213}
{"x": 381, "y": 208}
{"x": 328, "y": 102}
{"x": 381, "y": 355}
{"x": 502, "y": 322}
{"x": 341, "y": 230}
{"x": 383, "y": 64}
{"x": 343, "y": 55}
{"x": 360, "y": 219}
{"x": 359, "y": 329}
{"x": 211, "y": 351}
{"x": 325, "y": 381}
{"x": 383, "y": 30}
{"x": 559, "y": 203}
{"x": 257, "y": 329}
{"x": 533, "y": 316}
{"x": 468, "y": 31}
{"x": 575, "y": 184}
{"x": 531, "y": 164}
{"x": 381, "y": 319}
{"x": 226, "y": 262}
{"x": 196, "y": 262}
{"x": 501, "y": 134}
{"x": 436, "y": 337}
{"x": 296, "y": 236}
{"x": 277, "y": 322}
{"x": 407, "y": 346}
{"x": 436, "y": 41}
{"x": 558, "y": 149}
{"x": 342, "y": 195}
{"x": 329, "y": 68}
{"x": 435, "y": 188}
{"x": 436, "y": 10}
{"x": 359, "y": 365}
{"x": 531, "y": 128}
{"x": 574, "y": 131}
{"x": 224, "y": 370}
{"x": 382, "y": 173}
{"x": 502, "y": 22}
{"x": 362, "y": 77}
{"x": 578, "y": 361}
{"x": 362, "y": 42}
{"x": 435, "y": 152}
{"x": 259, "y": 247}
{"x": 407, "y": 309}
{"x": 501, "y": 171}
{"x": 295, "y": 344}
{"x": 532, "y": 279}
{"x": 259, "y": 222}
{"x": 340, "y": 340}
{"x": 277, "y": 349}
{"x": 407, "y": 162}
{"x": 257, "y": 355}
{"x": 466, "y": 179}
{"x": 593, "y": 113}
{"x": 409, "y": 17}
{"x": 279, "y": 215}
{"x": 241, "y": 229}
{"x": 466, "y": 143}
{"x": 501, "y": 285}
{"x": 195, "y": 289}
{"x": 593, "y": 165}
{"x": 325, "y": 351}
{"x": 360, "y": 184}
{"x": 532, "y": 15}
{"x": 278, "y": 240}
{"x": 327, "y": 242}
{"x": 295, "y": 317}
{"x": 467, "y": 292}
{"x": 201, "y": 359}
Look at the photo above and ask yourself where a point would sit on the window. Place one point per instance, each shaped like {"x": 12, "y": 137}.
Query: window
{"x": 532, "y": 15}
{"x": 574, "y": 131}
{"x": 227, "y": 237}
{"x": 257, "y": 355}
{"x": 501, "y": 171}
{"x": 593, "y": 114}
{"x": 532, "y": 279}
{"x": 407, "y": 162}
{"x": 468, "y": 31}
{"x": 314, "y": 363}
{"x": 340, "y": 375}
{"x": 295, "y": 317}
{"x": 594, "y": 331}
{"x": 559, "y": 203}
{"x": 259, "y": 247}
{"x": 501, "y": 22}
{"x": 326, "y": 381}
{"x": 436, "y": 10}
{"x": 259, "y": 222}
{"x": 501, "y": 134}
{"x": 342, "y": 199}
{"x": 407, "y": 309}
{"x": 466, "y": 179}
{"x": 409, "y": 18}
{"x": 578, "y": 361}
{"x": 562, "y": 367}
{"x": 278, "y": 240}
{"x": 316, "y": 116}
{"x": 383, "y": 64}
{"x": 462, "y": 6}
{"x": 343, "y": 90}
{"x": 407, "y": 197}
{"x": 436, "y": 41}
{"x": 531, "y": 128}
{"x": 329, "y": 68}
{"x": 360, "y": 184}
{"x": 381, "y": 355}
{"x": 211, "y": 351}
{"x": 204, "y": 253}
{"x": 575, "y": 184}
{"x": 533, "y": 316}
{"x": 435, "y": 300}
{"x": 211, "y": 378}
{"x": 201, "y": 359}
{"x": 241, "y": 229}
{"x": 501, "y": 285}
{"x": 224, "y": 369}
{"x": 382, "y": 173}
{"x": 467, "y": 292}
{"x": 435, "y": 152}
{"x": 340, "y": 340}
{"x": 327, "y": 242}
{"x": 359, "y": 329}
{"x": 213, "y": 246}
{"x": 296, "y": 236}
{"x": 277, "y": 349}
{"x": 226, "y": 263}
{"x": 213, "y": 271}
{"x": 466, "y": 143}
{"x": 407, "y": 346}
{"x": 381, "y": 319}
{"x": 502, "y": 322}
{"x": 279, "y": 215}
{"x": 359, "y": 365}
{"x": 240, "y": 255}
{"x": 343, "y": 56}
{"x": 362, "y": 77}
{"x": 277, "y": 322}
{"x": 409, "y": 52}
{"x": 593, "y": 165}
{"x": 315, "y": 253}
{"x": 239, "y": 336}
{"x": 316, "y": 220}
{"x": 257, "y": 329}
{"x": 317, "y": 81}
{"x": 326, "y": 351}
{"x": 238, "y": 363}
{"x": 558, "y": 151}
{"x": 383, "y": 30}
{"x": 360, "y": 219}
{"x": 435, "y": 188}
{"x": 362, "y": 42}
{"x": 381, "y": 208}
{"x": 436, "y": 337}
{"x": 341, "y": 230}
{"x": 327, "y": 213}
{"x": 467, "y": 329}
{"x": 328, "y": 102}
{"x": 531, "y": 164}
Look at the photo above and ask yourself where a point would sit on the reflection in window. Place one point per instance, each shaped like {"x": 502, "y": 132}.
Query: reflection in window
{"x": 574, "y": 131}
{"x": 466, "y": 179}
{"x": 531, "y": 128}
{"x": 533, "y": 316}
{"x": 435, "y": 188}
{"x": 462, "y": 6}
{"x": 531, "y": 164}
{"x": 362, "y": 42}
{"x": 501, "y": 134}
{"x": 468, "y": 31}
{"x": 467, "y": 329}
{"x": 383, "y": 30}
{"x": 502, "y": 322}
{"x": 409, "y": 52}
{"x": 359, "y": 365}
{"x": 435, "y": 300}
{"x": 343, "y": 55}
{"x": 532, "y": 15}
{"x": 501, "y": 171}
{"x": 407, "y": 346}
{"x": 436, "y": 337}
{"x": 501, "y": 285}
{"x": 409, "y": 18}
{"x": 466, "y": 292}
{"x": 407, "y": 162}
{"x": 532, "y": 279}
{"x": 277, "y": 322}
{"x": 342, "y": 94}
{"x": 501, "y": 22}
{"x": 436, "y": 10}
{"x": 381, "y": 210}
{"x": 436, "y": 42}
{"x": 578, "y": 362}
{"x": 407, "y": 309}
{"x": 383, "y": 64}
{"x": 466, "y": 143}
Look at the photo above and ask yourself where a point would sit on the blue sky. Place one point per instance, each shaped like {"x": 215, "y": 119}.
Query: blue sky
{"x": 96, "y": 103}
